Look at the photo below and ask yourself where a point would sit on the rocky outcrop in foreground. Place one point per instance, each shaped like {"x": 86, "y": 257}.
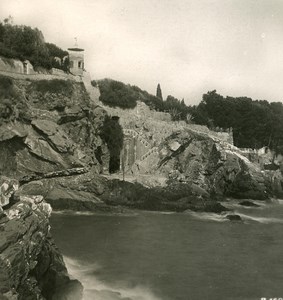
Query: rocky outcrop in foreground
{"x": 31, "y": 267}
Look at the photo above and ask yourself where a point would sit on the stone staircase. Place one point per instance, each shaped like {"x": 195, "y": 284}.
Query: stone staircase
{"x": 153, "y": 150}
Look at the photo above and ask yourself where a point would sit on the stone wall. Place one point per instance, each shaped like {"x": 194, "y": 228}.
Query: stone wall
{"x": 146, "y": 129}
{"x": 15, "y": 69}
{"x": 136, "y": 147}
{"x": 16, "y": 66}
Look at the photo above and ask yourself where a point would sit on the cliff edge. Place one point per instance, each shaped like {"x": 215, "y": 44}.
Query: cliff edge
{"x": 31, "y": 267}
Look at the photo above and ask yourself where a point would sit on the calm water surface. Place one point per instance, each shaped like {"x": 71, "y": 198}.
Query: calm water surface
{"x": 149, "y": 256}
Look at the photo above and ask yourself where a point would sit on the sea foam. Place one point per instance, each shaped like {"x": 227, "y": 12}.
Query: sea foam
{"x": 98, "y": 290}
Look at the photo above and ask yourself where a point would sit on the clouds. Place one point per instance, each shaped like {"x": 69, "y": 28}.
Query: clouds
{"x": 189, "y": 46}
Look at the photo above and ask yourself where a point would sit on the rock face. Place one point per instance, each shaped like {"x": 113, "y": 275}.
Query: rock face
{"x": 79, "y": 192}
{"x": 31, "y": 266}
{"x": 52, "y": 126}
{"x": 7, "y": 187}
{"x": 214, "y": 166}
{"x": 51, "y": 144}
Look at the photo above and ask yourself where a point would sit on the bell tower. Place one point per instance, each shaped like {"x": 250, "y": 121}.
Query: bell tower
{"x": 76, "y": 57}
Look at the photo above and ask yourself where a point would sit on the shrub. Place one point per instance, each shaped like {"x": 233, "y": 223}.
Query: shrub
{"x": 112, "y": 135}
{"x": 117, "y": 94}
{"x": 7, "y": 88}
{"x": 56, "y": 86}
{"x": 26, "y": 43}
{"x": 94, "y": 83}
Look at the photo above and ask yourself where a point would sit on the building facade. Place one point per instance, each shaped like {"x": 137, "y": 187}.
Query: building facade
{"x": 76, "y": 57}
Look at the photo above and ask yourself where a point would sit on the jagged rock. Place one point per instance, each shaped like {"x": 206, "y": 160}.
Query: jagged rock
{"x": 31, "y": 266}
{"x": 275, "y": 181}
{"x": 71, "y": 114}
{"x": 206, "y": 162}
{"x": 7, "y": 187}
{"x": 61, "y": 173}
{"x": 9, "y": 131}
{"x": 81, "y": 192}
{"x": 42, "y": 149}
{"x": 174, "y": 146}
{"x": 62, "y": 130}
{"x": 54, "y": 134}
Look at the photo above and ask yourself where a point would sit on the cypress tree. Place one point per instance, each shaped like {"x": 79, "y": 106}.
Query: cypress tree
{"x": 158, "y": 92}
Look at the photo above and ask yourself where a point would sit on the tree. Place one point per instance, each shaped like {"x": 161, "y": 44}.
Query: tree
{"x": 26, "y": 43}
{"x": 159, "y": 92}
{"x": 112, "y": 134}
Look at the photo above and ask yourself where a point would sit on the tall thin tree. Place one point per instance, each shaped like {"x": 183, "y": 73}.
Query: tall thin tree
{"x": 159, "y": 92}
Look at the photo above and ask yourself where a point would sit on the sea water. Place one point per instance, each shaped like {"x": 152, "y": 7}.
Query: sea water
{"x": 174, "y": 256}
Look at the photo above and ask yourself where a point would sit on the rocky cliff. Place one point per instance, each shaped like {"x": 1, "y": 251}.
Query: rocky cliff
{"x": 213, "y": 165}
{"x": 49, "y": 126}
{"x": 50, "y": 137}
{"x": 31, "y": 266}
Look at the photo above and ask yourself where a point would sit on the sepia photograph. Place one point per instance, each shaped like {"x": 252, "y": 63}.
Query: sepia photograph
{"x": 141, "y": 149}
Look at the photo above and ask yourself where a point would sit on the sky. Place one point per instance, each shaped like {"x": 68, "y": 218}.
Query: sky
{"x": 190, "y": 47}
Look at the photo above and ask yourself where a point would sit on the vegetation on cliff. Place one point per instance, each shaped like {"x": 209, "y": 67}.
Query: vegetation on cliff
{"x": 117, "y": 94}
{"x": 255, "y": 123}
{"x": 56, "y": 86}
{"x": 26, "y": 43}
{"x": 12, "y": 106}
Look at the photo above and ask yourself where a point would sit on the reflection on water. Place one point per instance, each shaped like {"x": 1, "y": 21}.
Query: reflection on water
{"x": 154, "y": 256}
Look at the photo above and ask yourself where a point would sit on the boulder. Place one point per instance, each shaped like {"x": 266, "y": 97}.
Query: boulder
{"x": 7, "y": 187}
{"x": 11, "y": 130}
{"x": 233, "y": 217}
{"x": 248, "y": 203}
{"x": 54, "y": 134}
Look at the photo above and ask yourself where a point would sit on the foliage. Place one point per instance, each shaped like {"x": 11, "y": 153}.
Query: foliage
{"x": 56, "y": 86}
{"x": 177, "y": 109}
{"x": 6, "y": 88}
{"x": 94, "y": 83}
{"x": 12, "y": 106}
{"x": 159, "y": 92}
{"x": 118, "y": 94}
{"x": 255, "y": 123}
{"x": 112, "y": 135}
{"x": 25, "y": 43}
{"x": 59, "y": 57}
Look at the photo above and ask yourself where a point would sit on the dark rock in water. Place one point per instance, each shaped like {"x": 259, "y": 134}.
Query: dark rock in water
{"x": 249, "y": 204}
{"x": 234, "y": 218}
{"x": 215, "y": 208}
